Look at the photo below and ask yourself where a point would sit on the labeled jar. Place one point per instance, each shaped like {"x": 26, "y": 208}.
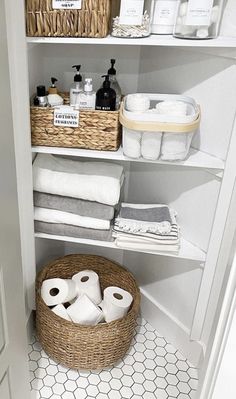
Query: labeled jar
{"x": 164, "y": 16}
{"x": 134, "y": 20}
{"x": 198, "y": 19}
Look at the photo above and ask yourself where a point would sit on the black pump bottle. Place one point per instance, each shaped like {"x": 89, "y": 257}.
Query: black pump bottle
{"x": 106, "y": 96}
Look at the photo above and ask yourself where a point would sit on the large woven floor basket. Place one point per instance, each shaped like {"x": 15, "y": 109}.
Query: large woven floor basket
{"x": 92, "y": 20}
{"x": 86, "y": 347}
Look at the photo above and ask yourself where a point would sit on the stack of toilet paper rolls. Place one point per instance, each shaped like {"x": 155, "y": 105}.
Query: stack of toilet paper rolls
{"x": 79, "y": 299}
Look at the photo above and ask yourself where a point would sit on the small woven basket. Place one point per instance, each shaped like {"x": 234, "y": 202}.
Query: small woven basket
{"x": 98, "y": 130}
{"x": 91, "y": 21}
{"x": 86, "y": 347}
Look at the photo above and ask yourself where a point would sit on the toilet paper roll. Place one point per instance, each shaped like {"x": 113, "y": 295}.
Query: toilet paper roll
{"x": 56, "y": 291}
{"x": 61, "y": 311}
{"x": 87, "y": 282}
{"x": 84, "y": 311}
{"x": 116, "y": 303}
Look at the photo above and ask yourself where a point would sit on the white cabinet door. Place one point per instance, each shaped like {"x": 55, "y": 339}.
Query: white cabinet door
{"x": 13, "y": 343}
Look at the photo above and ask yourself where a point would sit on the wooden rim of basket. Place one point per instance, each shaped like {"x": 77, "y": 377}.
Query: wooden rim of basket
{"x": 157, "y": 127}
{"x": 41, "y": 277}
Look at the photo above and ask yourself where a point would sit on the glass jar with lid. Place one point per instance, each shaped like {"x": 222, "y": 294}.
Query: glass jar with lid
{"x": 134, "y": 19}
{"x": 198, "y": 19}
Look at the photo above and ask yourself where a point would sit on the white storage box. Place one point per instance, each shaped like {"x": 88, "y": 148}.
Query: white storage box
{"x": 158, "y": 126}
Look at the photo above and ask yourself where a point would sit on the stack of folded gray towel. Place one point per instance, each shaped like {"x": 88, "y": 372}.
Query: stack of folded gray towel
{"x": 147, "y": 227}
{"x": 75, "y": 199}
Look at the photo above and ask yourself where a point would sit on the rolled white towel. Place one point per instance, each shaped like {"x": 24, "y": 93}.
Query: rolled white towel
{"x": 151, "y": 145}
{"x": 132, "y": 143}
{"x": 137, "y": 102}
{"x": 172, "y": 108}
{"x": 175, "y": 146}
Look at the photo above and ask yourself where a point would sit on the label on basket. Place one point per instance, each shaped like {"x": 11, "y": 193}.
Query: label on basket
{"x": 67, "y": 4}
{"x": 66, "y": 116}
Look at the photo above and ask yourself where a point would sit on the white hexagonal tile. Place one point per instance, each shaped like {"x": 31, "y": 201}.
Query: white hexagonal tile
{"x": 149, "y": 386}
{"x": 127, "y": 381}
{"x": 94, "y": 379}
{"x": 160, "y": 371}
{"x": 150, "y": 344}
{"x": 60, "y": 367}
{"x": 116, "y": 373}
{"x": 149, "y": 364}
{"x": 149, "y": 395}
{"x": 160, "y": 351}
{"x": 139, "y": 357}
{"x": 139, "y": 347}
{"x": 37, "y": 384}
{"x": 115, "y": 395}
{"x": 126, "y": 392}
{"x": 101, "y": 396}
{"x": 80, "y": 393}
{"x": 129, "y": 360}
{"x": 182, "y": 365}
{"x": 40, "y": 373}
{"x": 172, "y": 391}
{"x": 128, "y": 370}
{"x": 46, "y": 392}
{"x": 149, "y": 375}
{"x": 160, "y": 342}
{"x": 172, "y": 379}
{"x": 72, "y": 375}
{"x": 160, "y": 361}
{"x": 171, "y": 368}
{"x": 138, "y": 377}
{"x": 193, "y": 383}
{"x": 82, "y": 382}
{"x": 115, "y": 384}
{"x": 43, "y": 362}
{"x": 183, "y": 376}
{"x": 140, "y": 338}
{"x": 170, "y": 349}
{"x": 104, "y": 387}
{"x": 150, "y": 335}
{"x": 52, "y": 370}
{"x": 149, "y": 327}
{"x": 105, "y": 376}
{"x": 35, "y": 355}
{"x": 192, "y": 373}
{"x": 33, "y": 365}
{"x": 170, "y": 358}
{"x": 70, "y": 385}
{"x": 58, "y": 388}
{"x": 49, "y": 380}
{"x": 139, "y": 367}
{"x": 92, "y": 390}
{"x": 138, "y": 389}
{"x": 149, "y": 354}
{"x": 193, "y": 394}
{"x": 160, "y": 382}
{"x": 183, "y": 387}
{"x": 161, "y": 394}
{"x": 180, "y": 356}
{"x": 68, "y": 395}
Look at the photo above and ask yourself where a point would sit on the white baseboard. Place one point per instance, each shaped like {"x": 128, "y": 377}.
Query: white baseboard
{"x": 173, "y": 330}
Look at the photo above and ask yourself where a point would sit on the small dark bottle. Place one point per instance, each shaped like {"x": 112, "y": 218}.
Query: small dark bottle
{"x": 106, "y": 96}
{"x": 41, "y": 99}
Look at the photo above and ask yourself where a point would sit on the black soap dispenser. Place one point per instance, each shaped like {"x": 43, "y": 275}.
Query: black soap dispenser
{"x": 106, "y": 96}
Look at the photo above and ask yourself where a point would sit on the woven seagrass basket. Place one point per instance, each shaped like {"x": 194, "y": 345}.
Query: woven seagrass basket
{"x": 98, "y": 130}
{"x": 92, "y": 20}
{"x": 86, "y": 347}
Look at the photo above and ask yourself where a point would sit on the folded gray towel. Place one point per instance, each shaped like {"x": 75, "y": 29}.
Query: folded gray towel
{"x": 74, "y": 205}
{"x": 73, "y": 231}
{"x": 156, "y": 215}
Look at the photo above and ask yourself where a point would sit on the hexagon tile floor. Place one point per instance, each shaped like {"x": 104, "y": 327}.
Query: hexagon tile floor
{"x": 152, "y": 369}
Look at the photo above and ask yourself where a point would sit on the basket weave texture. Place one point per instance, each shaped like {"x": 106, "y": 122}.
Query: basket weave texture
{"x": 86, "y": 347}
{"x": 91, "y": 21}
{"x": 98, "y": 130}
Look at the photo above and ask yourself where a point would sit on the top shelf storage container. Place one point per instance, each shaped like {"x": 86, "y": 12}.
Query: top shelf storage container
{"x": 68, "y": 18}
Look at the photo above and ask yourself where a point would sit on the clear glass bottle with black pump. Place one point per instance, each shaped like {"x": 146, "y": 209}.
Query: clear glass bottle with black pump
{"x": 114, "y": 83}
{"x": 76, "y": 88}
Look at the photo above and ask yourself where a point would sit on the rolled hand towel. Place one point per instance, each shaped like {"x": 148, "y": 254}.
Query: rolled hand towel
{"x": 54, "y": 216}
{"x": 67, "y": 230}
{"x": 151, "y": 145}
{"x": 137, "y": 102}
{"x": 73, "y": 205}
{"x": 132, "y": 143}
{"x": 175, "y": 146}
{"x": 172, "y": 108}
{"x": 93, "y": 181}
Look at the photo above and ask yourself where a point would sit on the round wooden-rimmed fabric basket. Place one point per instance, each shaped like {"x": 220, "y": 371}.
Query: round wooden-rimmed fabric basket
{"x": 86, "y": 347}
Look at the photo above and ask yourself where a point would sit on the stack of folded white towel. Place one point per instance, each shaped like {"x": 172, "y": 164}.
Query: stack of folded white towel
{"x": 75, "y": 199}
{"x": 147, "y": 227}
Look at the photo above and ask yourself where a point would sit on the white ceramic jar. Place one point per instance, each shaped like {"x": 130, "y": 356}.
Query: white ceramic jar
{"x": 198, "y": 19}
{"x": 164, "y": 16}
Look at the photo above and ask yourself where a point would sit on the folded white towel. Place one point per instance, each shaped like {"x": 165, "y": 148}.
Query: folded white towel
{"x": 172, "y": 239}
{"x": 151, "y": 145}
{"x": 143, "y": 246}
{"x": 55, "y": 216}
{"x": 132, "y": 143}
{"x": 93, "y": 181}
{"x": 136, "y": 226}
